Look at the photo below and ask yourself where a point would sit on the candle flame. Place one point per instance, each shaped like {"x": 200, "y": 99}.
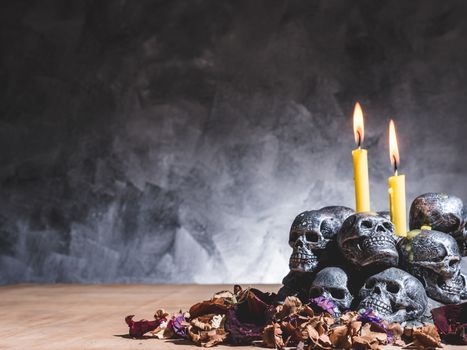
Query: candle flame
{"x": 358, "y": 128}
{"x": 393, "y": 148}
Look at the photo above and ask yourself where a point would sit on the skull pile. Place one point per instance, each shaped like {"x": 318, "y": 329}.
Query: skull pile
{"x": 434, "y": 258}
{"x": 367, "y": 253}
{"x": 395, "y": 294}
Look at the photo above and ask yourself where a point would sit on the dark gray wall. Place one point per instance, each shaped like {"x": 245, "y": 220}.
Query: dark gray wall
{"x": 175, "y": 141}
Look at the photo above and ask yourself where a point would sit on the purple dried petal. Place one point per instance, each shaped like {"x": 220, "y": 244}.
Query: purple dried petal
{"x": 324, "y": 304}
{"x": 177, "y": 324}
{"x": 368, "y": 316}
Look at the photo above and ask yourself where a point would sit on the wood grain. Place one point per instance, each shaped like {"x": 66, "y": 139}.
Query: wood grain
{"x": 69, "y": 317}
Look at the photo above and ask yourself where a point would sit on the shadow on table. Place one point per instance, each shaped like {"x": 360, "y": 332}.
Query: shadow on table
{"x": 146, "y": 337}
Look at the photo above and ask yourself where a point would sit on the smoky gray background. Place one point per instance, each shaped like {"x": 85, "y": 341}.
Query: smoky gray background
{"x": 175, "y": 141}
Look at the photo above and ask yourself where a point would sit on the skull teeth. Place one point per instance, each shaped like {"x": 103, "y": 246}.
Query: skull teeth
{"x": 377, "y": 241}
{"x": 452, "y": 288}
{"x": 297, "y": 259}
{"x": 377, "y": 305}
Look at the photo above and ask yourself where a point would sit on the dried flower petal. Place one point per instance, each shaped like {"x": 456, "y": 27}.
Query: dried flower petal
{"x": 241, "y": 332}
{"x": 451, "y": 322}
{"x": 214, "y": 306}
{"x": 290, "y": 306}
{"x": 340, "y": 337}
{"x": 272, "y": 336}
{"x": 324, "y": 304}
{"x": 138, "y": 328}
{"x": 426, "y": 337}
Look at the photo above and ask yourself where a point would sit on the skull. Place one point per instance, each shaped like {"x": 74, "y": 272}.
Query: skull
{"x": 395, "y": 295}
{"x": 441, "y": 212}
{"x": 433, "y": 257}
{"x": 311, "y": 232}
{"x": 367, "y": 239}
{"x": 331, "y": 283}
{"x": 462, "y": 241}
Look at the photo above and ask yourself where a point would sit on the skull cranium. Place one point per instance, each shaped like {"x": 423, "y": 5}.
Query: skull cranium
{"x": 395, "y": 295}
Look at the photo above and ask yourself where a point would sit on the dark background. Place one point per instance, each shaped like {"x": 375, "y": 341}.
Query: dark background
{"x": 175, "y": 141}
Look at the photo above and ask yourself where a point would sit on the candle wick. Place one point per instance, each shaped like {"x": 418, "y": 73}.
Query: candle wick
{"x": 395, "y": 165}
{"x": 359, "y": 139}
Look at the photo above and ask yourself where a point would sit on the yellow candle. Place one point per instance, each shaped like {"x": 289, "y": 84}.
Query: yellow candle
{"x": 396, "y": 187}
{"x": 360, "y": 164}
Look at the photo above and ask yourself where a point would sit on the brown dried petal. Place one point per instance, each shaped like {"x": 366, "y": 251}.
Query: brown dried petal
{"x": 364, "y": 342}
{"x": 340, "y": 337}
{"x": 307, "y": 311}
{"x": 349, "y": 317}
{"x": 324, "y": 342}
{"x": 427, "y": 337}
{"x": 206, "y": 338}
{"x": 291, "y": 305}
{"x": 355, "y": 328}
{"x": 215, "y": 306}
{"x": 272, "y": 336}
{"x": 311, "y": 333}
{"x": 368, "y": 333}
{"x": 160, "y": 314}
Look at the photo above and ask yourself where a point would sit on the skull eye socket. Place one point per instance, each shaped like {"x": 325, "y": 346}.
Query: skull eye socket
{"x": 367, "y": 224}
{"x": 453, "y": 222}
{"x": 312, "y": 236}
{"x": 316, "y": 292}
{"x": 453, "y": 262}
{"x": 370, "y": 284}
{"x": 337, "y": 293}
{"x": 440, "y": 257}
{"x": 392, "y": 288}
{"x": 387, "y": 226}
{"x": 326, "y": 228}
{"x": 293, "y": 237}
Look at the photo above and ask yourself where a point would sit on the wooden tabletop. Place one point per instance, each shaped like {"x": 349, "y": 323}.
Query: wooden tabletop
{"x": 69, "y": 317}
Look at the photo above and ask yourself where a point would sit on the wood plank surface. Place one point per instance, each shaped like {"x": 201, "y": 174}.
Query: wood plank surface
{"x": 69, "y": 317}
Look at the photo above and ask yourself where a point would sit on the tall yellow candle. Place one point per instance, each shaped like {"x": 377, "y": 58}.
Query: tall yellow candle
{"x": 396, "y": 187}
{"x": 360, "y": 163}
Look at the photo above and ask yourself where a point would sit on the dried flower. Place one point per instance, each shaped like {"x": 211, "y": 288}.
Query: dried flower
{"x": 138, "y": 328}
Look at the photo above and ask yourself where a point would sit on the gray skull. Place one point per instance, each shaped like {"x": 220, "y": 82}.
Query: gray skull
{"x": 331, "y": 283}
{"x": 367, "y": 239}
{"x": 433, "y": 257}
{"x": 441, "y": 212}
{"x": 310, "y": 233}
{"x": 395, "y": 295}
{"x": 462, "y": 241}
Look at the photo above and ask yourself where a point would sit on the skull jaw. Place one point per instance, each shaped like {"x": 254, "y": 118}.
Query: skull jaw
{"x": 303, "y": 263}
{"x": 384, "y": 258}
{"x": 447, "y": 291}
{"x": 387, "y": 257}
{"x": 387, "y": 311}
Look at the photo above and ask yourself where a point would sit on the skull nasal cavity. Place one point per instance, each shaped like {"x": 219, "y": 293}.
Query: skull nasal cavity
{"x": 381, "y": 228}
{"x": 377, "y": 290}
